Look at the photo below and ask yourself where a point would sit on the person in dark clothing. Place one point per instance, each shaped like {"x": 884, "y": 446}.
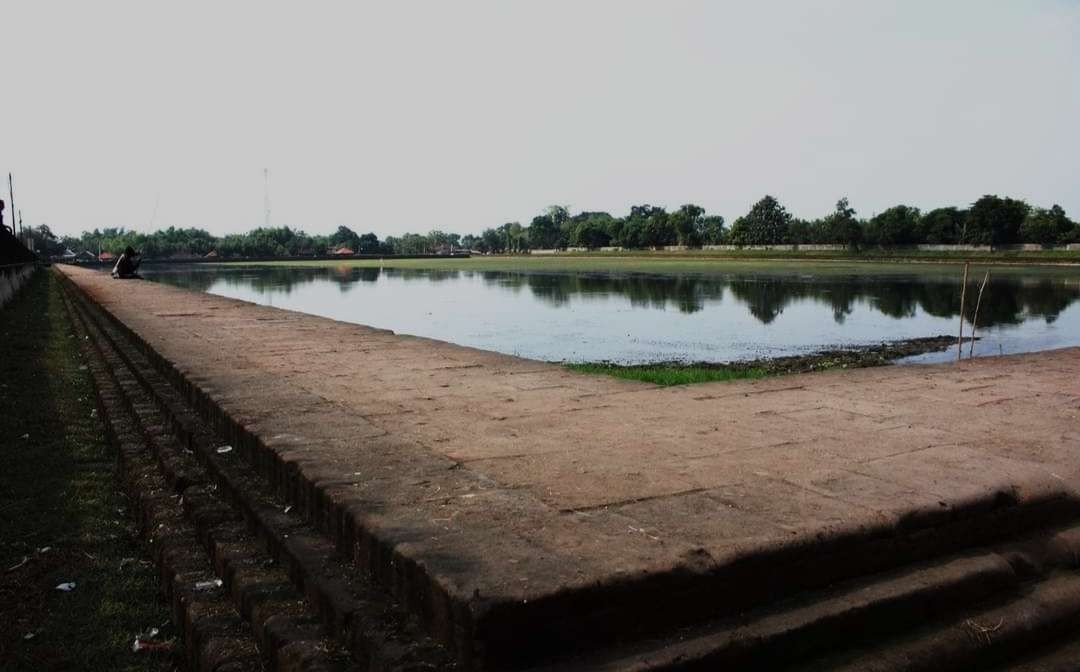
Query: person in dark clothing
{"x": 127, "y": 266}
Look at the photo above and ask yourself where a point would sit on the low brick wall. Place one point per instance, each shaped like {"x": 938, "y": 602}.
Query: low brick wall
{"x": 808, "y": 247}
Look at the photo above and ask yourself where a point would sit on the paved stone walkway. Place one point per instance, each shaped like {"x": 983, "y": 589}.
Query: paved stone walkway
{"x": 511, "y": 480}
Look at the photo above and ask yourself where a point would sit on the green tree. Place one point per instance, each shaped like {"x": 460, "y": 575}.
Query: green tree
{"x": 544, "y": 233}
{"x": 368, "y": 243}
{"x": 766, "y": 224}
{"x": 899, "y": 225}
{"x": 589, "y": 234}
{"x": 550, "y": 230}
{"x": 345, "y": 237}
{"x": 841, "y": 227}
{"x": 436, "y": 239}
{"x": 995, "y": 221}
{"x": 802, "y": 232}
{"x": 1046, "y": 226}
{"x": 943, "y": 226}
{"x": 648, "y": 226}
{"x": 687, "y": 224}
{"x": 712, "y": 230}
{"x": 45, "y": 241}
{"x": 590, "y": 229}
{"x": 409, "y": 244}
{"x": 631, "y": 234}
{"x": 658, "y": 230}
{"x": 493, "y": 241}
{"x": 519, "y": 237}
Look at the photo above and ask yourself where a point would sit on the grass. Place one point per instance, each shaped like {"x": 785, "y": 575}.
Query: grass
{"x": 679, "y": 373}
{"x": 58, "y": 492}
{"x": 670, "y": 374}
{"x": 684, "y": 262}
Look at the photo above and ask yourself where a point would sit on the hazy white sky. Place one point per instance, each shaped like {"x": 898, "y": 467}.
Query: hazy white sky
{"x": 409, "y": 116}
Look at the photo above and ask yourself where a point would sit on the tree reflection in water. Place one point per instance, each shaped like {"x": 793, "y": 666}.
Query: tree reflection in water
{"x": 1009, "y": 299}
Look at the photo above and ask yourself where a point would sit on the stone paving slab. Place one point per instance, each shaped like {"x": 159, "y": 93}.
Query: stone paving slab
{"x": 510, "y": 481}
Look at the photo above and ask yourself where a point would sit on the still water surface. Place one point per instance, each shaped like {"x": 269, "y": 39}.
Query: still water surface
{"x": 635, "y": 317}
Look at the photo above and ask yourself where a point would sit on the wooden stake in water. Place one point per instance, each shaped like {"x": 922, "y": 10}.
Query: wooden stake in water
{"x": 975, "y": 320}
{"x": 963, "y": 294}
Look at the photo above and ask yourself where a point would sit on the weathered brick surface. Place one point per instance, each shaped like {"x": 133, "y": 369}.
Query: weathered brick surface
{"x": 160, "y": 477}
{"x": 202, "y": 527}
{"x": 512, "y": 505}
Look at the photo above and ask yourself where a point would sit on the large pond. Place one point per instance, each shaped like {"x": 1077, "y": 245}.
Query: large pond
{"x": 733, "y": 313}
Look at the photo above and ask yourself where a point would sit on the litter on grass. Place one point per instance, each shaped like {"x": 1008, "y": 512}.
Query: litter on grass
{"x": 145, "y": 642}
{"x": 224, "y": 449}
{"x": 140, "y": 645}
{"x": 66, "y": 587}
{"x": 208, "y": 585}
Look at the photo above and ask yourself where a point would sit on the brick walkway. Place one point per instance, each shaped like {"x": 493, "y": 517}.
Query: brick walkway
{"x": 507, "y": 480}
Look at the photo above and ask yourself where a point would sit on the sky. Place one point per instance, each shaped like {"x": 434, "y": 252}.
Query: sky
{"x": 411, "y": 116}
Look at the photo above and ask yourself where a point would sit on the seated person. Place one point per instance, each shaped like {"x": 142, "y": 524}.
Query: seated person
{"x": 127, "y": 266}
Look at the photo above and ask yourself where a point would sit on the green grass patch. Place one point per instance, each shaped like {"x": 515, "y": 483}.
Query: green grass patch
{"x": 689, "y": 262}
{"x": 678, "y": 373}
{"x": 670, "y": 374}
{"x": 61, "y": 516}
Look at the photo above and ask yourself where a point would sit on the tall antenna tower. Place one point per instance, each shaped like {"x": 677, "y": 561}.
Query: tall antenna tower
{"x": 266, "y": 195}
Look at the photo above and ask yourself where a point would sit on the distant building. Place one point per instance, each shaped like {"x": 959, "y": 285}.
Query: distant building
{"x": 106, "y": 257}
{"x": 343, "y": 251}
{"x": 85, "y": 257}
{"x": 212, "y": 254}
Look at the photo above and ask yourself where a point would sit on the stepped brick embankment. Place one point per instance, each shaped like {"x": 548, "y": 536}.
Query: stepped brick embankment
{"x": 525, "y": 515}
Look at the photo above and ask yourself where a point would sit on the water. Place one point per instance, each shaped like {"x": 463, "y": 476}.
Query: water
{"x": 634, "y": 317}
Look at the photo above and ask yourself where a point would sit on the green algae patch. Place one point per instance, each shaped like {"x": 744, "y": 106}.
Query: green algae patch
{"x": 678, "y": 373}
{"x": 670, "y": 374}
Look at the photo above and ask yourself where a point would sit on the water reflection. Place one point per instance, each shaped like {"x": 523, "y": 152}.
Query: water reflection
{"x": 726, "y": 314}
{"x": 1008, "y": 300}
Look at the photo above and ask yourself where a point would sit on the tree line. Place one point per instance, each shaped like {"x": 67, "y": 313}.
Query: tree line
{"x": 991, "y": 220}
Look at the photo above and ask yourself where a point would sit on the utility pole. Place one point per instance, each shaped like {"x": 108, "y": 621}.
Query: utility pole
{"x": 11, "y": 202}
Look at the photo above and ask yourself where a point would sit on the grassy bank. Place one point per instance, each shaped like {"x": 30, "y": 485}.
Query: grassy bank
{"x": 679, "y": 373}
{"x": 689, "y": 263}
{"x": 61, "y": 517}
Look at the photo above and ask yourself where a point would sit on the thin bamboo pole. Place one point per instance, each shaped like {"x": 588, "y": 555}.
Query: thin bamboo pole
{"x": 975, "y": 320}
{"x": 963, "y": 295}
